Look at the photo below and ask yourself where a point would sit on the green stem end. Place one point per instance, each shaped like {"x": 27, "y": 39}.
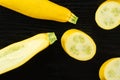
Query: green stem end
{"x": 52, "y": 37}
{"x": 73, "y": 19}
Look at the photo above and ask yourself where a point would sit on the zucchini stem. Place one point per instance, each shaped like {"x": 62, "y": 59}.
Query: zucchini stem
{"x": 73, "y": 19}
{"x": 52, "y": 37}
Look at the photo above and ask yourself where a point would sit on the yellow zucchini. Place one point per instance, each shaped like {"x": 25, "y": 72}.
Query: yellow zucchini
{"x": 16, "y": 54}
{"x": 107, "y": 15}
{"x": 41, "y": 9}
{"x": 114, "y": 0}
{"x": 109, "y": 70}
{"x": 78, "y": 45}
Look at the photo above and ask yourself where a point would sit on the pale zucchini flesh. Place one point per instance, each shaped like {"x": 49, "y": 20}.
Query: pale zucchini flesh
{"x": 108, "y": 15}
{"x": 110, "y": 69}
{"x": 78, "y": 45}
{"x": 18, "y": 53}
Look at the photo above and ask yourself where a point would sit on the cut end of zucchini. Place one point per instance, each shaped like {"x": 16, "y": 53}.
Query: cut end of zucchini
{"x": 107, "y": 15}
{"x": 110, "y": 69}
{"x": 52, "y": 37}
{"x": 78, "y": 45}
{"x": 73, "y": 19}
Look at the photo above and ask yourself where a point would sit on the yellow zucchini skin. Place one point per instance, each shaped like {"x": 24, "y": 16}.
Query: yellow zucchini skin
{"x": 40, "y": 9}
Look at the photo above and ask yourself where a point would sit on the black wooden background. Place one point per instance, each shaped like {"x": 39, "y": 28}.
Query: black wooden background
{"x": 53, "y": 63}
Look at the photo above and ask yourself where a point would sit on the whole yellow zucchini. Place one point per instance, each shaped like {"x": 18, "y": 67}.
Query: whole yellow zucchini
{"x": 16, "y": 54}
{"x": 41, "y": 9}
